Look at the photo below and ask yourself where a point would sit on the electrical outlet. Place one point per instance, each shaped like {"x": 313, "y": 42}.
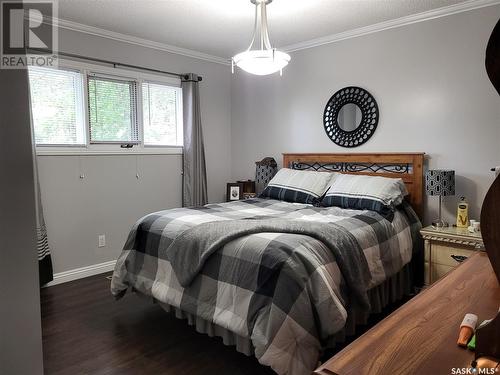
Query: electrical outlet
{"x": 102, "y": 240}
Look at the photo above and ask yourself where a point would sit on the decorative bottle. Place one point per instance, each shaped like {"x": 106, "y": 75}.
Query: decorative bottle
{"x": 463, "y": 213}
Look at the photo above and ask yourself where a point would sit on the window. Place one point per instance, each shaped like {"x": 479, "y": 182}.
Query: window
{"x": 99, "y": 109}
{"x": 112, "y": 114}
{"x": 162, "y": 115}
{"x": 56, "y": 102}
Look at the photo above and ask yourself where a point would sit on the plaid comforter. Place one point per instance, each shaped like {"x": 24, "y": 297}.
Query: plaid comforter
{"x": 283, "y": 291}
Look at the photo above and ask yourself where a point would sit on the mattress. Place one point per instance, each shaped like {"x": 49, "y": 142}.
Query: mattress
{"x": 282, "y": 294}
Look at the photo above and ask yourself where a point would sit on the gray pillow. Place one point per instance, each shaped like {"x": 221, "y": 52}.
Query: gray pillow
{"x": 360, "y": 192}
{"x": 295, "y": 186}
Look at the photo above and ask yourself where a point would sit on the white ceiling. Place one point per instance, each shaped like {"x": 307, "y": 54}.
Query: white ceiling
{"x": 224, "y": 27}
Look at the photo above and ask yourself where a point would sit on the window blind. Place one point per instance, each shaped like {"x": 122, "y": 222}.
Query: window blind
{"x": 56, "y": 102}
{"x": 161, "y": 117}
{"x": 112, "y": 110}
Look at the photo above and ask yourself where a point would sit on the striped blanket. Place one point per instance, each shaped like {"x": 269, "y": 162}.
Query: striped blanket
{"x": 283, "y": 291}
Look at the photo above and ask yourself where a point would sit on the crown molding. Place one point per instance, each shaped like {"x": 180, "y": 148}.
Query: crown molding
{"x": 398, "y": 22}
{"x": 92, "y": 30}
{"x": 386, "y": 25}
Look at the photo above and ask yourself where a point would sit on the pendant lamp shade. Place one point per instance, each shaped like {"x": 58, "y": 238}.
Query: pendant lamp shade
{"x": 266, "y": 60}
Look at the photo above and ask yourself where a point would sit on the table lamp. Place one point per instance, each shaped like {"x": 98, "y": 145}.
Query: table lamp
{"x": 441, "y": 183}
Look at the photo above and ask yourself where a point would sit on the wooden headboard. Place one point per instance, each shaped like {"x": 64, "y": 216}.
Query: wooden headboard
{"x": 407, "y": 166}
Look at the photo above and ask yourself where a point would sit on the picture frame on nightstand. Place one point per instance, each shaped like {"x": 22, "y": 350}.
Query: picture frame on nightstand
{"x": 234, "y": 191}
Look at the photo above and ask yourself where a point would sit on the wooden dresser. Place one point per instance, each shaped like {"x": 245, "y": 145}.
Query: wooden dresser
{"x": 420, "y": 337}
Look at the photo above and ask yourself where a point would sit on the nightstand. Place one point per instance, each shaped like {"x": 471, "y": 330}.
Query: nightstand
{"x": 446, "y": 248}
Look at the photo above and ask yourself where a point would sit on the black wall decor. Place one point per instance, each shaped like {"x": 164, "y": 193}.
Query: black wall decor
{"x": 369, "y": 117}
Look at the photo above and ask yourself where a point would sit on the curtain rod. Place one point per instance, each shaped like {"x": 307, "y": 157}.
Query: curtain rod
{"x": 116, "y": 64}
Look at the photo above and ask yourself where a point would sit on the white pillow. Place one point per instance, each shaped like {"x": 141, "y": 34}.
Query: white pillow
{"x": 297, "y": 186}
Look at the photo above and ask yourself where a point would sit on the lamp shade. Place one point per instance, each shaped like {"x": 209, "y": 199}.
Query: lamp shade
{"x": 266, "y": 60}
{"x": 440, "y": 182}
{"x": 261, "y": 62}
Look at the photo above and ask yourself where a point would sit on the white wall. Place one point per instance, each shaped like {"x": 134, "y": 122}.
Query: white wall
{"x": 430, "y": 84}
{"x": 110, "y": 198}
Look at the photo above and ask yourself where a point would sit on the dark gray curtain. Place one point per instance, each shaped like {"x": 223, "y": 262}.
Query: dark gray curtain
{"x": 194, "y": 186}
{"x": 44, "y": 260}
{"x": 45, "y": 270}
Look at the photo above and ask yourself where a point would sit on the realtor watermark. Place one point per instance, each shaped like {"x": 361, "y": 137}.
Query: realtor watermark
{"x": 475, "y": 371}
{"x": 28, "y": 34}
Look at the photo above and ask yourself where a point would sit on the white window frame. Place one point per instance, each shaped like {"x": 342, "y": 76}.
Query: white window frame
{"x": 139, "y": 77}
{"x": 80, "y": 112}
{"x": 134, "y": 117}
{"x": 178, "y": 110}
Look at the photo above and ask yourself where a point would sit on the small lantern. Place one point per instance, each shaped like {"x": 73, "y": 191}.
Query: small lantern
{"x": 264, "y": 172}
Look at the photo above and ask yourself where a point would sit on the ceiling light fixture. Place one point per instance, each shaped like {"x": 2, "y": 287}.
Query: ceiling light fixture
{"x": 266, "y": 60}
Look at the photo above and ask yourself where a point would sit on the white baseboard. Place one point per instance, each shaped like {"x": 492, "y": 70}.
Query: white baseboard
{"x": 80, "y": 273}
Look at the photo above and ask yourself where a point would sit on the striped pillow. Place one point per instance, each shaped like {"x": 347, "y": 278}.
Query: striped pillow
{"x": 359, "y": 192}
{"x": 297, "y": 186}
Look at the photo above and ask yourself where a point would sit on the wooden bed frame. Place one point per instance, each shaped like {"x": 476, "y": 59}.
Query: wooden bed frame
{"x": 407, "y": 166}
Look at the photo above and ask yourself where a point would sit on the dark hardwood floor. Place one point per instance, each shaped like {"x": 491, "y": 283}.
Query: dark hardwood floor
{"x": 85, "y": 331}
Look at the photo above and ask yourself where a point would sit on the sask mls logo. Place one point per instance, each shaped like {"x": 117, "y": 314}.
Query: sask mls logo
{"x": 28, "y": 34}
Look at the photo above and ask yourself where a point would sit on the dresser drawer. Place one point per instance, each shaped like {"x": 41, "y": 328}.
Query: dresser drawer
{"x": 441, "y": 254}
{"x": 441, "y": 244}
{"x": 438, "y": 271}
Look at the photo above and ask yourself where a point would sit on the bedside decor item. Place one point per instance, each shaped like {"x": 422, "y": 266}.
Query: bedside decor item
{"x": 266, "y": 60}
{"x": 351, "y": 116}
{"x": 462, "y": 213}
{"x": 475, "y": 226}
{"x": 248, "y": 186}
{"x": 441, "y": 183}
{"x": 234, "y": 191}
{"x": 264, "y": 172}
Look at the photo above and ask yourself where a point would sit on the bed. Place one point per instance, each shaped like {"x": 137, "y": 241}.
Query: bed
{"x": 282, "y": 292}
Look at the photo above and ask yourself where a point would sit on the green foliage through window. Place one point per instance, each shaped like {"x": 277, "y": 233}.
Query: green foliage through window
{"x": 160, "y": 114}
{"x": 80, "y": 107}
{"x": 112, "y": 110}
{"x": 55, "y": 103}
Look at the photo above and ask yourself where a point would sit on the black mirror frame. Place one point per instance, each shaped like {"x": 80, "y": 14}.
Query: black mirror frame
{"x": 369, "y": 116}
